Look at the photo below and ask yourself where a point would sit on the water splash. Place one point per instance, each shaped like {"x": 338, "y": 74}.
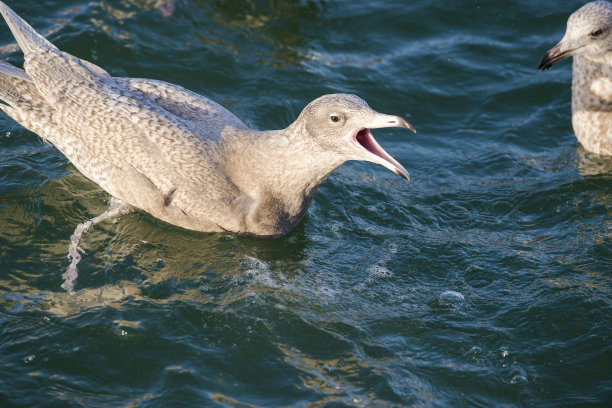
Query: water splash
{"x": 72, "y": 273}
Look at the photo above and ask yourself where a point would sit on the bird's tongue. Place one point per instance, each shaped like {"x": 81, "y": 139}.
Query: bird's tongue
{"x": 365, "y": 139}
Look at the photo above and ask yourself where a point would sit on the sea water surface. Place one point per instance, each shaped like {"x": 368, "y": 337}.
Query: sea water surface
{"x": 484, "y": 282}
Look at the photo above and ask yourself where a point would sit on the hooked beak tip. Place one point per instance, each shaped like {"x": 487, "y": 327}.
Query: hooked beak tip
{"x": 406, "y": 124}
{"x": 553, "y": 56}
{"x": 405, "y": 176}
{"x": 409, "y": 126}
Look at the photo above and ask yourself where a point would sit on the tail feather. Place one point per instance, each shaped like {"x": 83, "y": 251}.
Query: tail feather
{"x": 12, "y": 83}
{"x": 32, "y": 44}
{"x": 28, "y": 39}
{"x": 13, "y": 71}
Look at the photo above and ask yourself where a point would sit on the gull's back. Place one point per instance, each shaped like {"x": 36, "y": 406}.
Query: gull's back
{"x": 152, "y": 144}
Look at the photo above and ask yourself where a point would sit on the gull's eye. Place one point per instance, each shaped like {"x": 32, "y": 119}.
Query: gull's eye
{"x": 334, "y": 118}
{"x": 596, "y": 33}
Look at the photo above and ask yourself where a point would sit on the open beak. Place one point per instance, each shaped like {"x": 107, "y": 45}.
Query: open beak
{"x": 377, "y": 154}
{"x": 552, "y": 57}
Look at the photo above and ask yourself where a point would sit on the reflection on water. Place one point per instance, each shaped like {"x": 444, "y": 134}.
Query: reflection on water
{"x": 590, "y": 164}
{"x": 483, "y": 282}
{"x": 62, "y": 304}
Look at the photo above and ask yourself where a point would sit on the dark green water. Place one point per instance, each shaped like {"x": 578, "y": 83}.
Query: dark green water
{"x": 485, "y": 282}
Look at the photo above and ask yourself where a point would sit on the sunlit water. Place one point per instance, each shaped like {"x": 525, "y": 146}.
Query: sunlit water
{"x": 484, "y": 282}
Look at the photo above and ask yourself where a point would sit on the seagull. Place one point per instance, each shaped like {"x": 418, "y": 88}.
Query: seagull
{"x": 181, "y": 157}
{"x": 588, "y": 38}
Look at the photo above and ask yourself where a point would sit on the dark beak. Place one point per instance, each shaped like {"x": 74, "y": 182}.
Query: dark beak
{"x": 552, "y": 57}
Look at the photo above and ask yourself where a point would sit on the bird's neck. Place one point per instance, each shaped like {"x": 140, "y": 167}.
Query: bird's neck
{"x": 592, "y": 103}
{"x": 279, "y": 169}
{"x": 592, "y": 83}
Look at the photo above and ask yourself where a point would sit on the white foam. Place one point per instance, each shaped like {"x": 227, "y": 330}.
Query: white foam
{"x": 379, "y": 272}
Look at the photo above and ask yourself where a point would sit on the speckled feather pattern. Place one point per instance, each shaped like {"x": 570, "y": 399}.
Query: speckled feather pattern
{"x": 588, "y": 38}
{"x": 178, "y": 155}
{"x": 592, "y": 103}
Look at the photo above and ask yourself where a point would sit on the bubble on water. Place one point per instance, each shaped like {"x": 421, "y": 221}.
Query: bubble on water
{"x": 475, "y": 350}
{"x": 451, "y": 298}
{"x": 518, "y": 376}
{"x": 379, "y": 271}
{"x": 476, "y": 353}
{"x": 518, "y": 379}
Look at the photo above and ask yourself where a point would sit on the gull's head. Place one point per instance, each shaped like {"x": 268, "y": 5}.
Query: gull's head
{"x": 342, "y": 123}
{"x": 588, "y": 33}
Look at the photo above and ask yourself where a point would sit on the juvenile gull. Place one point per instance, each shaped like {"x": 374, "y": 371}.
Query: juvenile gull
{"x": 588, "y": 38}
{"x": 180, "y": 156}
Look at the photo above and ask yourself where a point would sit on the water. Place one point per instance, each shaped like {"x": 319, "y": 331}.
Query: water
{"x": 484, "y": 282}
